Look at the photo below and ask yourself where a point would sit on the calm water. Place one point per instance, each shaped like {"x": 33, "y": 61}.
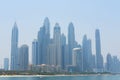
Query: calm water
{"x": 114, "y": 77}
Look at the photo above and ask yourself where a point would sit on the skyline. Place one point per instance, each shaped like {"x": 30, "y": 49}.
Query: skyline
{"x": 83, "y": 23}
{"x": 54, "y": 53}
{"x": 52, "y": 37}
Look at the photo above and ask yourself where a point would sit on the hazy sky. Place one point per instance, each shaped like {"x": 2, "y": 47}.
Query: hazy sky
{"x": 87, "y": 15}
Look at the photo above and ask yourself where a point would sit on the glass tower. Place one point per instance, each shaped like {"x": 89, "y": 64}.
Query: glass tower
{"x": 14, "y": 48}
{"x": 99, "y": 57}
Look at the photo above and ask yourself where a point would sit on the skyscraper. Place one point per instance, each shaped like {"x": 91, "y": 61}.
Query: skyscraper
{"x": 35, "y": 52}
{"x": 46, "y": 39}
{"x": 109, "y": 63}
{"x": 99, "y": 57}
{"x": 23, "y": 59}
{"x": 14, "y": 48}
{"x": 87, "y": 54}
{"x": 93, "y": 62}
{"x": 63, "y": 47}
{"x": 71, "y": 41}
{"x": 77, "y": 59}
{"x": 51, "y": 55}
{"x": 115, "y": 64}
{"x": 40, "y": 45}
{"x": 43, "y": 41}
{"x": 57, "y": 42}
{"x": 6, "y": 64}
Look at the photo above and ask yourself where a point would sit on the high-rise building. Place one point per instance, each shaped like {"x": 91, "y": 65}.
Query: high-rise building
{"x": 46, "y": 40}
{"x": 93, "y": 63}
{"x": 109, "y": 63}
{"x": 43, "y": 42}
{"x": 71, "y": 41}
{"x": 115, "y": 64}
{"x": 40, "y": 45}
{"x": 77, "y": 59}
{"x": 87, "y": 54}
{"x": 23, "y": 59}
{"x": 63, "y": 47}
{"x": 99, "y": 57}
{"x": 14, "y": 48}
{"x": 51, "y": 55}
{"x": 6, "y": 64}
{"x": 66, "y": 57}
{"x": 35, "y": 52}
{"x": 57, "y": 42}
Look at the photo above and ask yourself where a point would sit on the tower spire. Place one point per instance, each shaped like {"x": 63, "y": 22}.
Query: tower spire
{"x": 15, "y": 25}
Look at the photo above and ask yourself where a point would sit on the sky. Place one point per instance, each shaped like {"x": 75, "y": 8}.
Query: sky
{"x": 86, "y": 15}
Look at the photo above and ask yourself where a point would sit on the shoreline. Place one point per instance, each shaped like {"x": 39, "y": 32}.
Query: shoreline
{"x": 57, "y": 75}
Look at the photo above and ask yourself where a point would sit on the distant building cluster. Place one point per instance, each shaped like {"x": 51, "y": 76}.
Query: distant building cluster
{"x": 112, "y": 64}
{"x": 55, "y": 55}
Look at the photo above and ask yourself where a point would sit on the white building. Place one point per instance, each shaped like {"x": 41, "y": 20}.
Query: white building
{"x": 77, "y": 59}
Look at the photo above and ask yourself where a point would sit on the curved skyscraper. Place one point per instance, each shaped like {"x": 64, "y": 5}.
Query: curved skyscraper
{"x": 14, "y": 48}
{"x": 99, "y": 57}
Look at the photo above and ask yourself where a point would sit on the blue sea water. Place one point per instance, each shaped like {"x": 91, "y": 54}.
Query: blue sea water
{"x": 112, "y": 77}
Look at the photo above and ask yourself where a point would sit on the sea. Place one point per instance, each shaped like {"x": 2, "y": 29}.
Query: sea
{"x": 79, "y": 77}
